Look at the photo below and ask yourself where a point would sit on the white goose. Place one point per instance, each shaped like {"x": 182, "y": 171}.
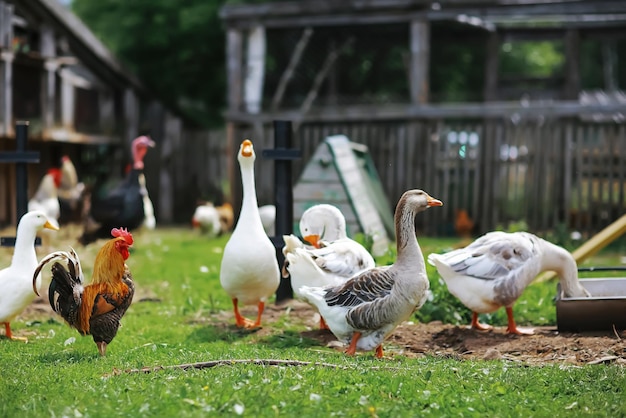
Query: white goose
{"x": 249, "y": 272}
{"x": 494, "y": 270}
{"x": 335, "y": 258}
{"x": 369, "y": 306}
{"x": 16, "y": 281}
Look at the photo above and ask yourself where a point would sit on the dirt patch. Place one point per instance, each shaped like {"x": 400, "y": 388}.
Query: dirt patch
{"x": 547, "y": 345}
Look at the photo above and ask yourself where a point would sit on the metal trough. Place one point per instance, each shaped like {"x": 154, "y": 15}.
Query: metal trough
{"x": 605, "y": 310}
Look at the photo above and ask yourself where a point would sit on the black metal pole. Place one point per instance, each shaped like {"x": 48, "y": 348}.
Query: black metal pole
{"x": 283, "y": 200}
{"x": 21, "y": 175}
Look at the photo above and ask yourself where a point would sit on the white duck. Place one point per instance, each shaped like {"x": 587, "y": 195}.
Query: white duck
{"x": 249, "y": 272}
{"x": 335, "y": 259}
{"x": 16, "y": 281}
{"x": 494, "y": 270}
{"x": 369, "y": 306}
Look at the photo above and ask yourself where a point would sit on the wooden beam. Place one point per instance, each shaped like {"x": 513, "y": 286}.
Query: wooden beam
{"x": 131, "y": 118}
{"x": 420, "y": 61}
{"x": 234, "y": 57}
{"x": 572, "y": 68}
{"x": 321, "y": 75}
{"x": 68, "y": 102}
{"x": 255, "y": 70}
{"x": 6, "y": 76}
{"x": 492, "y": 68}
{"x": 289, "y": 70}
{"x": 48, "y": 51}
{"x": 432, "y": 111}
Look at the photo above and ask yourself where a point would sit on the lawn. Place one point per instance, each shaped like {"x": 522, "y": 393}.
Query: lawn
{"x": 181, "y": 315}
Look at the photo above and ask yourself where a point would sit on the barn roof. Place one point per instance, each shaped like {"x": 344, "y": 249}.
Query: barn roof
{"x": 84, "y": 43}
{"x": 488, "y": 14}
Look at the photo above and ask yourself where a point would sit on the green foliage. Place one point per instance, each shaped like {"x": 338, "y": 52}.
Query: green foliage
{"x": 176, "y": 48}
{"x": 181, "y": 315}
{"x": 532, "y": 58}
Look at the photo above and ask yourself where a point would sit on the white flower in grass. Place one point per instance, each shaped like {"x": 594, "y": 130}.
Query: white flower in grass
{"x": 363, "y": 400}
{"x": 69, "y": 341}
{"x": 315, "y": 397}
{"x": 239, "y": 408}
{"x": 204, "y": 269}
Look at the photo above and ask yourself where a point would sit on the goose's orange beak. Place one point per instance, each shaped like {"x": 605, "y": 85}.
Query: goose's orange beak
{"x": 246, "y": 148}
{"x": 434, "y": 202}
{"x": 313, "y": 240}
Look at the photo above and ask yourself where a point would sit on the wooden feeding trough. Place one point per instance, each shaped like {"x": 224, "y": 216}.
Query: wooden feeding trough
{"x": 605, "y": 310}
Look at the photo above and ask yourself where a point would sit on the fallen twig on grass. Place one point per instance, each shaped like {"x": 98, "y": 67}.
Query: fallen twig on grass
{"x": 214, "y": 363}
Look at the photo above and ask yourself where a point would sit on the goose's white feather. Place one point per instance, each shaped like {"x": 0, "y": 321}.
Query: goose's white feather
{"x": 249, "y": 270}
{"x": 494, "y": 270}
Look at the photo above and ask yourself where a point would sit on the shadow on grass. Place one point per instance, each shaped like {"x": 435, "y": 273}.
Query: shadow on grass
{"x": 290, "y": 339}
{"x": 220, "y": 332}
{"x": 69, "y": 357}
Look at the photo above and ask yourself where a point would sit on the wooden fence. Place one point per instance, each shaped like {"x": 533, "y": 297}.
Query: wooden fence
{"x": 559, "y": 173}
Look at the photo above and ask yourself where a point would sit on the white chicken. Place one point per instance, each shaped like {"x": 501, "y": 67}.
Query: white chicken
{"x": 206, "y": 219}
{"x": 46, "y": 198}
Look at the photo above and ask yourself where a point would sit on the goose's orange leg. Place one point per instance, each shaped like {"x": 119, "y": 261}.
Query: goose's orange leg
{"x": 9, "y": 334}
{"x": 261, "y": 308}
{"x": 351, "y": 350}
{"x": 512, "y": 327}
{"x": 240, "y": 321}
{"x": 477, "y": 325}
{"x": 379, "y": 351}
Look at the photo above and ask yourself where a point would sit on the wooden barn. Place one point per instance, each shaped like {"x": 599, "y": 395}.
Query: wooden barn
{"x": 79, "y": 101}
{"x": 545, "y": 149}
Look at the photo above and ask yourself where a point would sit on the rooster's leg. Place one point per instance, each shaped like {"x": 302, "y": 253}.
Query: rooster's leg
{"x": 477, "y": 325}
{"x": 351, "y": 350}
{"x": 10, "y": 336}
{"x": 512, "y": 327}
{"x": 240, "y": 321}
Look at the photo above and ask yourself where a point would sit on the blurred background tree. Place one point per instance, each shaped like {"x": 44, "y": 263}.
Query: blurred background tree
{"x": 175, "y": 47}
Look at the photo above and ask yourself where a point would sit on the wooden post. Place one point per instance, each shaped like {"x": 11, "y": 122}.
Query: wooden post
{"x": 20, "y": 157}
{"x": 255, "y": 70}
{"x": 234, "y": 76}
{"x": 6, "y": 68}
{"x": 282, "y": 154}
{"x": 492, "y": 65}
{"x": 572, "y": 67}
{"x": 48, "y": 51}
{"x": 420, "y": 61}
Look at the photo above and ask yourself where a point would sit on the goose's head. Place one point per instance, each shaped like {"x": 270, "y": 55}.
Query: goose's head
{"x": 246, "y": 152}
{"x": 322, "y": 222}
{"x": 38, "y": 220}
{"x": 420, "y": 200}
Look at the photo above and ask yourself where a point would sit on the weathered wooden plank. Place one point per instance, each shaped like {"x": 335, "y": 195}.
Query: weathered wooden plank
{"x": 419, "y": 45}
{"x": 234, "y": 59}
{"x": 572, "y": 60}
{"x": 255, "y": 69}
{"x": 391, "y": 111}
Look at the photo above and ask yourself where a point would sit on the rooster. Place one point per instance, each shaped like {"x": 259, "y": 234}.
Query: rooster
{"x": 97, "y": 308}
{"x": 122, "y": 206}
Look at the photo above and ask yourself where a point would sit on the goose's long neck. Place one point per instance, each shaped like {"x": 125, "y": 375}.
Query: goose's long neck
{"x": 249, "y": 205}
{"x": 409, "y": 251}
{"x": 561, "y": 261}
{"x": 24, "y": 251}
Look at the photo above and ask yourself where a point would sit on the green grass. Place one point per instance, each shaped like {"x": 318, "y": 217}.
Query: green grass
{"x": 181, "y": 315}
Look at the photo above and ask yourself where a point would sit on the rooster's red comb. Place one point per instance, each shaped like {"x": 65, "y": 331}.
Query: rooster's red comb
{"x": 123, "y": 233}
